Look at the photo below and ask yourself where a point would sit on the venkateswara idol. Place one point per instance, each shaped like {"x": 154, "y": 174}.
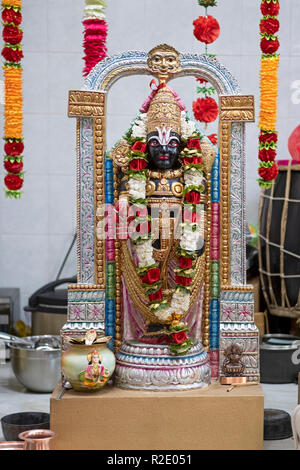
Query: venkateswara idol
{"x": 161, "y": 228}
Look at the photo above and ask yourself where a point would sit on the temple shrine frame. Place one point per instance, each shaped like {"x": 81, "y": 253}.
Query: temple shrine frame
{"x": 228, "y": 309}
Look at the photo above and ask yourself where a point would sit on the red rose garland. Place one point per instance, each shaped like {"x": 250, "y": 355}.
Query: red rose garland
{"x": 269, "y": 26}
{"x": 13, "y": 182}
{"x": 95, "y": 34}
{"x": 269, "y": 46}
{"x": 10, "y": 15}
{"x": 270, "y": 7}
{"x": 12, "y": 34}
{"x": 205, "y": 109}
{"x": 206, "y": 30}
{"x": 13, "y": 167}
{"x": 13, "y": 132}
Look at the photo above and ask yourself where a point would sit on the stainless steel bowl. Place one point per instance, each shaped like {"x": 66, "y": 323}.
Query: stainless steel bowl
{"x": 37, "y": 369}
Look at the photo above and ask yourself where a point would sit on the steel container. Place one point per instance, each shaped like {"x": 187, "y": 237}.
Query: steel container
{"x": 37, "y": 369}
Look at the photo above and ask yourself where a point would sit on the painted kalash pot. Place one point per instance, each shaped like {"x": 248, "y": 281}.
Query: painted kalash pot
{"x": 87, "y": 363}
{"x": 161, "y": 230}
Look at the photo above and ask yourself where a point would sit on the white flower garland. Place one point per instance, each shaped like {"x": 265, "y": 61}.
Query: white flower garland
{"x": 193, "y": 178}
{"x": 137, "y": 188}
{"x": 139, "y": 128}
{"x": 188, "y": 127}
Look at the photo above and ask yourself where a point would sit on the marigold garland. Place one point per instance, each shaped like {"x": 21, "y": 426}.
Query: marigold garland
{"x": 95, "y": 33}
{"x": 13, "y": 98}
{"x": 269, "y": 25}
{"x": 16, "y": 4}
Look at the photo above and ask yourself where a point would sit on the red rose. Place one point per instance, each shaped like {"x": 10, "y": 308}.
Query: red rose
{"x": 193, "y": 197}
{"x": 153, "y": 275}
{"x": 194, "y": 144}
{"x": 13, "y": 182}
{"x": 11, "y": 16}
{"x": 183, "y": 281}
{"x": 206, "y": 29}
{"x": 12, "y": 34}
{"x": 139, "y": 146}
{"x": 192, "y": 160}
{"x": 213, "y": 138}
{"x": 205, "y": 109}
{"x": 269, "y": 25}
{"x": 13, "y": 148}
{"x": 13, "y": 167}
{"x": 268, "y": 174}
{"x": 137, "y": 164}
{"x": 267, "y": 155}
{"x": 271, "y": 8}
{"x": 185, "y": 263}
{"x": 156, "y": 296}
{"x": 269, "y": 46}
{"x": 11, "y": 55}
{"x": 179, "y": 337}
{"x": 272, "y": 137}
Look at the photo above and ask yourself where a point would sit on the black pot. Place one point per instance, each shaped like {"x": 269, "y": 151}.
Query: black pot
{"x": 14, "y": 424}
{"x": 277, "y": 425}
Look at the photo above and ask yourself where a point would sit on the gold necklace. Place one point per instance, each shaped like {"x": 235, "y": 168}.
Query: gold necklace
{"x": 167, "y": 174}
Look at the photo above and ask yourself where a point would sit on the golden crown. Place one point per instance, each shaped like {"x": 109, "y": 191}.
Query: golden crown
{"x": 164, "y": 110}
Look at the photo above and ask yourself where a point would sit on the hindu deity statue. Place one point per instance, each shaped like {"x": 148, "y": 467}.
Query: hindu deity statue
{"x": 167, "y": 279}
{"x": 163, "y": 159}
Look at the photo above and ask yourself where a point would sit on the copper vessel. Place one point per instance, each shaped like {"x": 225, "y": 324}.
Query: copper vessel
{"x": 37, "y": 439}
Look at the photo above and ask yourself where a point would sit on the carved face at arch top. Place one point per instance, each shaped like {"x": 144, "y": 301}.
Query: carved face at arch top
{"x": 163, "y": 148}
{"x": 163, "y": 61}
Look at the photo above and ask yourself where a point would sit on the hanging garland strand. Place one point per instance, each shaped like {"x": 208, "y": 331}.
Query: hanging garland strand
{"x": 95, "y": 33}
{"x": 206, "y": 30}
{"x": 269, "y": 26}
{"x": 13, "y": 108}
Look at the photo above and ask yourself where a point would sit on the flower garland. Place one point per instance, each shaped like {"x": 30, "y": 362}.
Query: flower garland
{"x": 192, "y": 234}
{"x": 95, "y": 33}
{"x": 269, "y": 26}
{"x": 13, "y": 112}
{"x": 206, "y": 30}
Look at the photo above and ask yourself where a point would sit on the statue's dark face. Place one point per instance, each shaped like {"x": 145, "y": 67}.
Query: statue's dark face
{"x": 163, "y": 152}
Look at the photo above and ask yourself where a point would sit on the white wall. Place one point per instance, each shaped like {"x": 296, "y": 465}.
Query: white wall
{"x": 37, "y": 230}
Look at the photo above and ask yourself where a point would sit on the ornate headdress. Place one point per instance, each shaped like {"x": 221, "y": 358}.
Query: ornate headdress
{"x": 164, "y": 112}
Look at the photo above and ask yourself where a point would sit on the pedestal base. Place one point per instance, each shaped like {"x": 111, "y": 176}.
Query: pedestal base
{"x": 143, "y": 366}
{"x": 116, "y": 419}
{"x": 233, "y": 380}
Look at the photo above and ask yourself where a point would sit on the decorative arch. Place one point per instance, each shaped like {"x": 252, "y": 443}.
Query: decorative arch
{"x": 106, "y": 73}
{"x": 224, "y": 319}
